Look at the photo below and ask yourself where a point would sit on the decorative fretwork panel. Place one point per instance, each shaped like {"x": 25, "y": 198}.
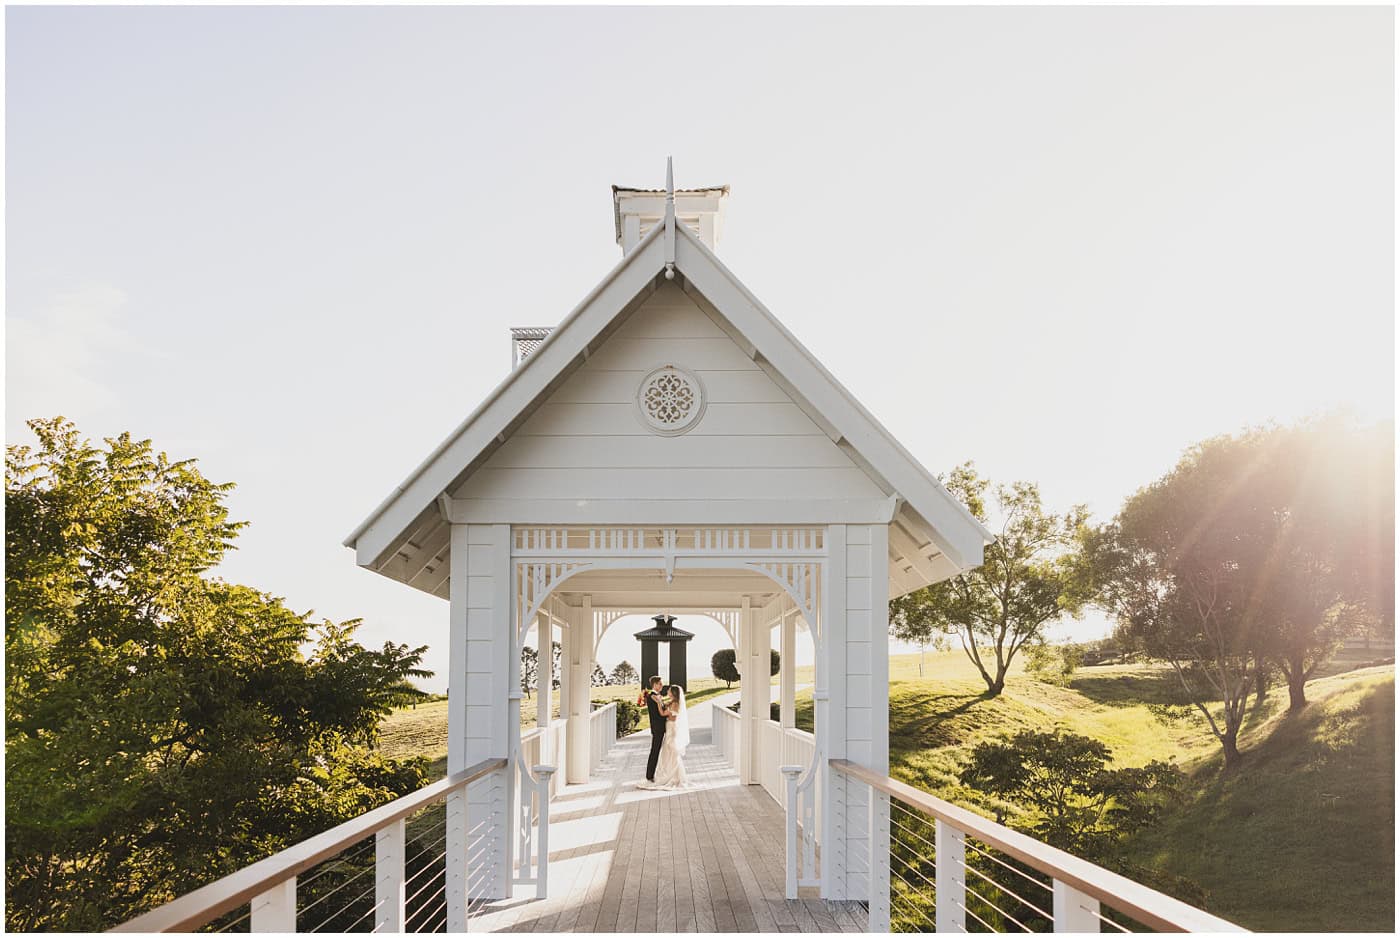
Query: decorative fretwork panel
{"x": 696, "y": 541}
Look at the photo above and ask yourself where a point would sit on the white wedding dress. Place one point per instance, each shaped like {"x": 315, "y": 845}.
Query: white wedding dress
{"x": 670, "y": 767}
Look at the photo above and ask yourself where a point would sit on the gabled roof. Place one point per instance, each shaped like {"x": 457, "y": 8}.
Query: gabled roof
{"x": 937, "y": 533}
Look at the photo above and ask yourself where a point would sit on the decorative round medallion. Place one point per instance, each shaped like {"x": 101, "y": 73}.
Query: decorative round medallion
{"x": 670, "y": 400}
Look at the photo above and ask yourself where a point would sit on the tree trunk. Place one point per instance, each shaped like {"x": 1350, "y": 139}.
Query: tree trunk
{"x": 1297, "y": 699}
{"x": 1232, "y": 750}
{"x": 1261, "y": 684}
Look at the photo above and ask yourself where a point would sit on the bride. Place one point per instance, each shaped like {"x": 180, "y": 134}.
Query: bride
{"x": 670, "y": 770}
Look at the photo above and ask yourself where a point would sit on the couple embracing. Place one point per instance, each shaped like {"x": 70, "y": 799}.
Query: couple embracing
{"x": 670, "y": 734}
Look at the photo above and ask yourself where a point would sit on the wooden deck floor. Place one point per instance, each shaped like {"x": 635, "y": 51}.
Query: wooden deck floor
{"x": 703, "y": 860}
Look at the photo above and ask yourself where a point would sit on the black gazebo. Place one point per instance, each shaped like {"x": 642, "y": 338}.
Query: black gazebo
{"x": 663, "y": 631}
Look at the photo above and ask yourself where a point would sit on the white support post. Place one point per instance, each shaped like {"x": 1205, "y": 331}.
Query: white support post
{"x": 949, "y": 885}
{"x": 790, "y": 776}
{"x": 276, "y": 909}
{"x": 1074, "y": 911}
{"x": 389, "y": 854}
{"x": 545, "y": 774}
{"x": 480, "y": 674}
{"x": 831, "y": 715}
{"x": 566, "y": 677}
{"x": 787, "y": 671}
{"x": 580, "y": 657}
{"x": 544, "y": 669}
{"x": 747, "y": 728}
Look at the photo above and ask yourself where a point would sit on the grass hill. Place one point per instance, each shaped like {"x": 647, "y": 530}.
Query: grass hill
{"x": 1301, "y": 839}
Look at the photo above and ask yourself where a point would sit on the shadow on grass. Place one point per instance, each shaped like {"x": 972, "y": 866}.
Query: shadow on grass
{"x": 1309, "y": 813}
{"x": 1158, "y": 686}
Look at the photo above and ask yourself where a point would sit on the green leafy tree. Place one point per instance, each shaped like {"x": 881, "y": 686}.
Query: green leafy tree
{"x": 529, "y": 670}
{"x": 1328, "y": 487}
{"x": 164, "y": 727}
{"x": 599, "y": 677}
{"x": 724, "y": 666}
{"x": 1182, "y": 568}
{"x": 624, "y": 674}
{"x": 1030, "y": 577}
{"x": 1076, "y": 802}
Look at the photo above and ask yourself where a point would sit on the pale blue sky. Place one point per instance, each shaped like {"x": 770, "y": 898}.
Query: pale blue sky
{"x": 1065, "y": 243}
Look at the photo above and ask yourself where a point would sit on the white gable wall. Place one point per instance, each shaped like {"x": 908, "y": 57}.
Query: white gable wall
{"x": 586, "y": 441}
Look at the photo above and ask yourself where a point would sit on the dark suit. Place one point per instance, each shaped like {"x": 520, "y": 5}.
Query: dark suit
{"x": 658, "y": 732}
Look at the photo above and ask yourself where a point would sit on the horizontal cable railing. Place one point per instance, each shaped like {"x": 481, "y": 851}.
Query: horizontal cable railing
{"x": 387, "y": 870}
{"x": 951, "y": 869}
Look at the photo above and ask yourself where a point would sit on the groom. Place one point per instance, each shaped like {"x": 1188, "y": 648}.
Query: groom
{"x": 658, "y": 725}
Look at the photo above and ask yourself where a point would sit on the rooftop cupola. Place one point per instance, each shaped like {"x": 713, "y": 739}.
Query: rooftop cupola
{"x": 637, "y": 211}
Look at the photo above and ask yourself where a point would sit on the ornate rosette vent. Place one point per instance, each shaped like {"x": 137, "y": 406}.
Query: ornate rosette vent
{"x": 670, "y": 400}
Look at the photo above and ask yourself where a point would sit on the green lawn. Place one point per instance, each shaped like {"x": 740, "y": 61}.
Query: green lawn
{"x": 422, "y": 730}
{"x": 1300, "y": 839}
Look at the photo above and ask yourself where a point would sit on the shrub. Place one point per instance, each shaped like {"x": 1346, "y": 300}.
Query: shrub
{"x": 628, "y": 716}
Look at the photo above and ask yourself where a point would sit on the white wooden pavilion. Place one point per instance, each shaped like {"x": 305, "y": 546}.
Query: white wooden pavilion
{"x": 671, "y": 447}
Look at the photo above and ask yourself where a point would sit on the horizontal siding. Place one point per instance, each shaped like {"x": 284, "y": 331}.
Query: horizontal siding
{"x": 618, "y": 354}
{"x": 590, "y": 386}
{"x": 588, "y": 442}
{"x": 622, "y": 419}
{"x": 722, "y": 452}
{"x": 684, "y": 482}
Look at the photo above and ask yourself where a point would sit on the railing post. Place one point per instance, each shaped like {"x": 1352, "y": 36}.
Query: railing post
{"x": 276, "y": 909}
{"x": 458, "y": 874}
{"x": 790, "y": 773}
{"x": 879, "y": 841}
{"x": 1074, "y": 910}
{"x": 388, "y": 878}
{"x": 949, "y": 886}
{"x": 544, "y": 773}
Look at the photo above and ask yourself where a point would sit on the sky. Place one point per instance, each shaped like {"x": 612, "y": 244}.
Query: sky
{"x": 1063, "y": 243}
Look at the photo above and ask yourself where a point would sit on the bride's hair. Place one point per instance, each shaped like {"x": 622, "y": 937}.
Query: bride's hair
{"x": 676, "y": 694}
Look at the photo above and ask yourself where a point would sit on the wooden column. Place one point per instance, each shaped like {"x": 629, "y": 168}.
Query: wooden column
{"x": 831, "y": 715}
{"x": 748, "y": 617}
{"x": 580, "y": 657}
{"x": 479, "y": 686}
{"x": 787, "y": 670}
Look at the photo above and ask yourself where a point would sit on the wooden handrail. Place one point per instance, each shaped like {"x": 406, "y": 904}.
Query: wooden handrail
{"x": 207, "y": 903}
{"x": 1154, "y": 909}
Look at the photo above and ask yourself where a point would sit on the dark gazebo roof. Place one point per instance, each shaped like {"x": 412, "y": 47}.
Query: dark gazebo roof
{"x": 664, "y": 631}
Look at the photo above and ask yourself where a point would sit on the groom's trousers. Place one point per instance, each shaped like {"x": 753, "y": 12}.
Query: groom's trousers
{"x": 656, "y": 739}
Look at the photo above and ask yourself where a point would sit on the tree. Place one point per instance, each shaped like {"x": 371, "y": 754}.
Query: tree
{"x": 1079, "y": 803}
{"x": 1182, "y": 569}
{"x": 599, "y": 678}
{"x": 1029, "y": 577}
{"x": 529, "y": 670}
{"x": 775, "y": 662}
{"x": 1329, "y": 489}
{"x": 724, "y": 666}
{"x": 624, "y": 673}
{"x": 164, "y": 727}
{"x": 558, "y": 658}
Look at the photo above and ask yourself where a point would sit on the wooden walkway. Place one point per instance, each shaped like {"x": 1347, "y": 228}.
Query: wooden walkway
{"x": 708, "y": 859}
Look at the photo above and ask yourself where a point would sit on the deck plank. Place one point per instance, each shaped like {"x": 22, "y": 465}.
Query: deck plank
{"x": 705, "y": 859}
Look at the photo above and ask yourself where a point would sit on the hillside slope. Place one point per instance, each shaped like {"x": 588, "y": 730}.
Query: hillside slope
{"x": 1303, "y": 837}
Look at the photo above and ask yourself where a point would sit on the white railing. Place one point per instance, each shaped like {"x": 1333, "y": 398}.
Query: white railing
{"x": 341, "y": 856}
{"x": 724, "y": 730}
{"x": 937, "y": 865}
{"x": 537, "y": 784}
{"x": 602, "y": 733}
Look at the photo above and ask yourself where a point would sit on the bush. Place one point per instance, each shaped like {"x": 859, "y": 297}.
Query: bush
{"x": 628, "y": 716}
{"x": 1054, "y": 663}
